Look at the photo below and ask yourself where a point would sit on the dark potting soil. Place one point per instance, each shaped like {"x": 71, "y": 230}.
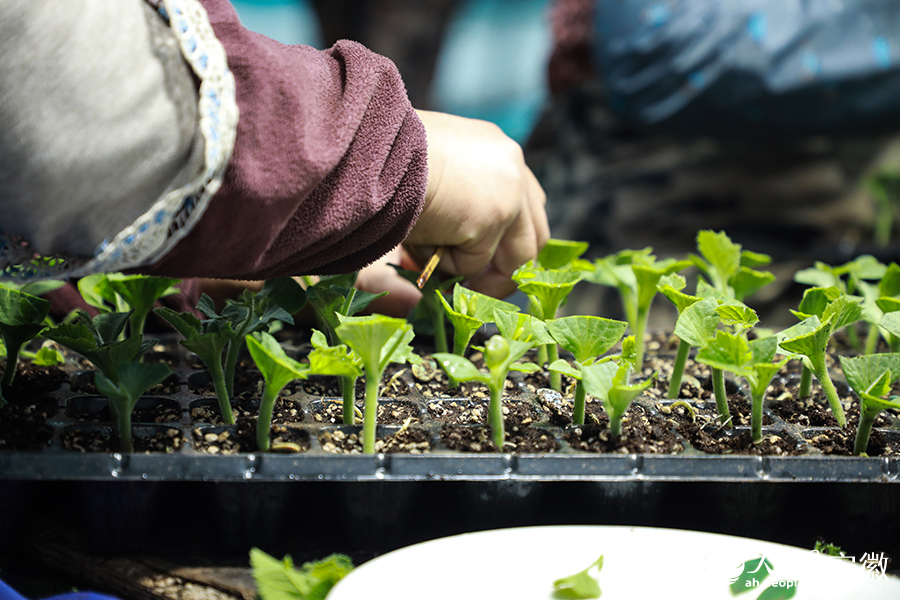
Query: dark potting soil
{"x": 207, "y": 410}
{"x": 519, "y": 439}
{"x": 642, "y": 432}
{"x": 393, "y": 412}
{"x": 241, "y": 437}
{"x": 464, "y": 412}
{"x": 105, "y": 439}
{"x": 841, "y": 441}
{"x": 409, "y": 440}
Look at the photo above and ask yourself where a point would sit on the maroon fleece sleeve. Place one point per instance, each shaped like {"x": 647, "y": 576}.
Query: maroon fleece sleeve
{"x": 329, "y": 166}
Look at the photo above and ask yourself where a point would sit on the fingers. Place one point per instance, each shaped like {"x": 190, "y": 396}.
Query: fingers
{"x": 380, "y": 276}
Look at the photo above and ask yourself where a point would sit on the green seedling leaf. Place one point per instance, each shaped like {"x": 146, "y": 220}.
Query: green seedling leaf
{"x": 477, "y": 305}
{"x": 277, "y": 370}
{"x": 96, "y": 291}
{"x": 722, "y": 255}
{"x": 586, "y": 337}
{"x": 863, "y": 372}
{"x": 843, "y": 311}
{"x": 737, "y": 315}
{"x": 21, "y": 319}
{"x": 34, "y": 288}
{"x": 464, "y": 326}
{"x": 579, "y": 585}
{"x": 140, "y": 292}
{"x": 891, "y": 322}
{"x": 890, "y": 283}
{"x": 728, "y": 352}
{"x": 284, "y": 292}
{"x": 522, "y": 327}
{"x": 84, "y": 338}
{"x": 747, "y": 282}
{"x": 888, "y": 304}
{"x": 763, "y": 349}
{"x": 599, "y": 379}
{"x": 563, "y": 366}
{"x": 752, "y": 260}
{"x": 48, "y": 357}
{"x": 460, "y": 368}
{"x": 671, "y": 286}
{"x": 697, "y": 323}
{"x": 547, "y": 289}
{"x": 333, "y": 360}
{"x": 123, "y": 392}
{"x": 559, "y": 254}
{"x": 816, "y": 300}
{"x": 280, "y": 580}
{"x": 757, "y": 569}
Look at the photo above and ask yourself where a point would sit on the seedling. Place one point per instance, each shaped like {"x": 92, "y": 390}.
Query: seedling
{"x": 431, "y": 305}
{"x": 750, "y": 360}
{"x": 635, "y": 273}
{"x": 500, "y": 356}
{"x": 378, "y": 340}
{"x": 123, "y": 392}
{"x": 281, "y": 580}
{"x": 587, "y": 338}
{"x": 810, "y": 338}
{"x": 857, "y": 271}
{"x": 729, "y": 269}
{"x": 277, "y": 370}
{"x": 21, "y": 319}
{"x": 608, "y": 382}
{"x": 332, "y": 298}
{"x": 878, "y": 300}
{"x": 547, "y": 290}
{"x": 208, "y": 339}
{"x": 561, "y": 254}
{"x": 340, "y": 361}
{"x": 115, "y": 292}
{"x": 814, "y": 302}
{"x": 273, "y": 304}
{"x": 469, "y": 312}
{"x": 98, "y": 340}
{"x": 871, "y": 377}
{"x": 694, "y": 327}
{"x": 884, "y": 188}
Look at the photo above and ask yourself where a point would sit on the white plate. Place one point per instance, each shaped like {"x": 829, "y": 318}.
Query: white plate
{"x": 639, "y": 562}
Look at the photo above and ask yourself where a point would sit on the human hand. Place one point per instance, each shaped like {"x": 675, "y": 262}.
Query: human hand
{"x": 380, "y": 276}
{"x": 483, "y": 203}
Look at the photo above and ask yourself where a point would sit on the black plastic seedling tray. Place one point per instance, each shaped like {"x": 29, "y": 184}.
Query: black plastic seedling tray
{"x": 313, "y": 502}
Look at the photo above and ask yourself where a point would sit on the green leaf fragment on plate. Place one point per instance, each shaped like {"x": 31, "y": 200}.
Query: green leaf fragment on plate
{"x": 280, "y": 580}
{"x": 579, "y": 585}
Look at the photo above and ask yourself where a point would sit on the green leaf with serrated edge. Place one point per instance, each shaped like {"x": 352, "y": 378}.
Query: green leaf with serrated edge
{"x": 747, "y": 282}
{"x": 48, "y": 357}
{"x": 280, "y": 580}
{"x": 563, "y": 366}
{"x": 276, "y": 367}
{"x": 815, "y": 300}
{"x": 843, "y": 311}
{"x": 557, "y": 254}
{"x": 727, "y": 352}
{"x": 36, "y": 288}
{"x": 19, "y": 309}
{"x": 108, "y": 326}
{"x": 671, "y": 286}
{"x": 522, "y": 327}
{"x": 207, "y": 307}
{"x": 722, "y": 254}
{"x": 763, "y": 349}
{"x": 335, "y": 360}
{"x": 464, "y": 326}
{"x": 586, "y": 337}
{"x": 580, "y": 585}
{"x": 891, "y": 323}
{"x": 808, "y": 344}
{"x": 755, "y": 569}
{"x": 326, "y": 304}
{"x": 820, "y": 275}
{"x": 738, "y": 315}
{"x": 599, "y": 378}
{"x": 648, "y": 275}
{"x": 460, "y": 368}
{"x": 369, "y": 337}
{"x": 184, "y": 323}
{"x": 705, "y": 290}
{"x": 863, "y": 267}
{"x": 398, "y": 348}
{"x": 752, "y": 260}
{"x": 697, "y": 323}
{"x": 862, "y": 372}
{"x": 478, "y": 305}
